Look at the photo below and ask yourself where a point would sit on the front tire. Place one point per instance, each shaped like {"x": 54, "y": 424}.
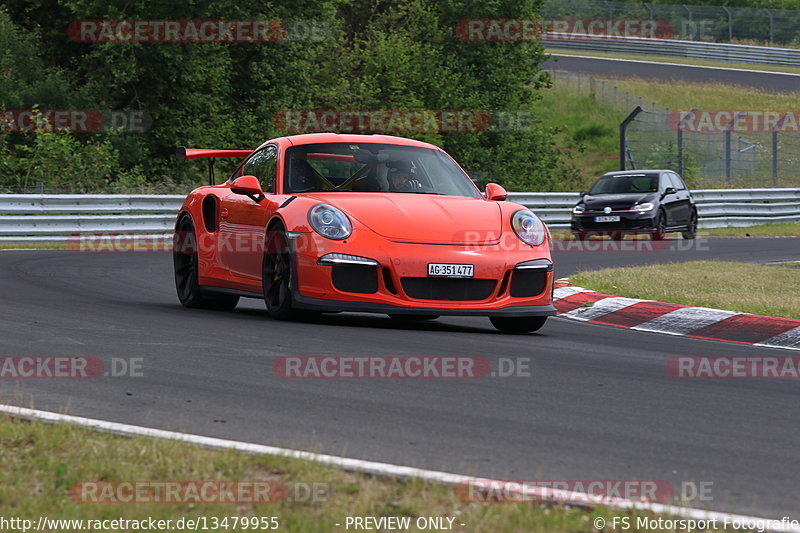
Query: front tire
{"x": 186, "y": 266}
{"x": 661, "y": 224}
{"x": 523, "y": 324}
{"x": 277, "y": 275}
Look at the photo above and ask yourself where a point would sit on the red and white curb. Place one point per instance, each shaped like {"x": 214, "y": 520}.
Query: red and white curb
{"x": 700, "y": 322}
{"x": 388, "y": 470}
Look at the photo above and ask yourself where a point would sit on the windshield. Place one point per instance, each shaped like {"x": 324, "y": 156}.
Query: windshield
{"x": 371, "y": 167}
{"x": 626, "y": 184}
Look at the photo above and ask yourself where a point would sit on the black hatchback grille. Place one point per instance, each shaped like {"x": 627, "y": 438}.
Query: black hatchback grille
{"x": 454, "y": 289}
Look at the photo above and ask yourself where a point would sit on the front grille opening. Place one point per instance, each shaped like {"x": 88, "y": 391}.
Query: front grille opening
{"x": 527, "y": 283}
{"x": 387, "y": 280}
{"x": 362, "y": 279}
{"x": 453, "y": 289}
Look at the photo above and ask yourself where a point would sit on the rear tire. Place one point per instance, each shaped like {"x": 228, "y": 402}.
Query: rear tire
{"x": 185, "y": 263}
{"x": 523, "y": 324}
{"x": 691, "y": 229}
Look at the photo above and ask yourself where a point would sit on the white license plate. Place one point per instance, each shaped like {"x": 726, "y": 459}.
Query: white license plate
{"x": 613, "y": 218}
{"x": 450, "y": 270}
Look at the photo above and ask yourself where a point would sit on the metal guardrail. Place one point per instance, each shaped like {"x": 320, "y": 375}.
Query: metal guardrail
{"x": 26, "y": 204}
{"x": 739, "y": 53}
{"x": 29, "y": 218}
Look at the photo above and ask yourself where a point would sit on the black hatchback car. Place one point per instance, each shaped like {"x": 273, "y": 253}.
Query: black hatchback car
{"x": 636, "y": 201}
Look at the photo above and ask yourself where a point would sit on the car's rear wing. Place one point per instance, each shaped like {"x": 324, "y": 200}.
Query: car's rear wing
{"x": 183, "y": 153}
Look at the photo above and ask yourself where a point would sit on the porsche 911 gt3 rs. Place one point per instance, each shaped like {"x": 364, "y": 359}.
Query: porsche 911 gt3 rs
{"x": 363, "y": 223}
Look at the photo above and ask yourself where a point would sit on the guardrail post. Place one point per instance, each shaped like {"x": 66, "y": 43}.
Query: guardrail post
{"x": 622, "y": 129}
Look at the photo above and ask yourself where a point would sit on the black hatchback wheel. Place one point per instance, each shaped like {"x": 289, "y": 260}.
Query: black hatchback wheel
{"x": 185, "y": 263}
{"x": 278, "y": 274}
{"x": 660, "y": 230}
{"x": 691, "y": 228}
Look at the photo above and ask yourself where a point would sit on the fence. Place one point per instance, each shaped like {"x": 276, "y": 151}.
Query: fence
{"x": 690, "y": 22}
{"x": 762, "y": 55}
{"x": 712, "y": 148}
{"x": 31, "y": 218}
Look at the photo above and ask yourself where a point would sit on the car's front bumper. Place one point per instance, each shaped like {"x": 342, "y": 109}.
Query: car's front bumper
{"x": 628, "y": 222}
{"x": 335, "y": 306}
{"x": 399, "y": 283}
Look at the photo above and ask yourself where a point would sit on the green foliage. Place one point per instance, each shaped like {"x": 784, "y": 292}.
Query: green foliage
{"x": 60, "y": 162}
{"x": 373, "y": 54}
{"x": 590, "y": 131}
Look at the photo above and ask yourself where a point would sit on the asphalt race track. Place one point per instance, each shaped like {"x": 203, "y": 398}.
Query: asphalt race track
{"x": 774, "y": 81}
{"x": 598, "y": 405}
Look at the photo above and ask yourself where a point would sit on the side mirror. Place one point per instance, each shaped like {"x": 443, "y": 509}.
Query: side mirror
{"x": 495, "y": 192}
{"x": 670, "y": 190}
{"x": 248, "y": 186}
{"x": 584, "y": 193}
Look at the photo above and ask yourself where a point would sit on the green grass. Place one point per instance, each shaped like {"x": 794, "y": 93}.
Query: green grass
{"x": 42, "y": 463}
{"x": 680, "y": 60}
{"x": 742, "y": 287}
{"x": 684, "y": 95}
{"x": 589, "y": 131}
{"x": 788, "y": 229}
{"x": 35, "y": 246}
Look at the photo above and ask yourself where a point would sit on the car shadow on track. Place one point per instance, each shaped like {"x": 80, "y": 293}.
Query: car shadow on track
{"x": 361, "y": 320}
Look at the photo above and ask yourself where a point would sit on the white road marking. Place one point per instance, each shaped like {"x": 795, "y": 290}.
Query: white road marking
{"x": 563, "y": 292}
{"x": 684, "y": 320}
{"x": 788, "y": 339}
{"x": 601, "y": 307}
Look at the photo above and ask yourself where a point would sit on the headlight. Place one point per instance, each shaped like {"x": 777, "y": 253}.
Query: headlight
{"x": 578, "y": 209}
{"x": 642, "y": 208}
{"x": 329, "y": 222}
{"x": 528, "y": 227}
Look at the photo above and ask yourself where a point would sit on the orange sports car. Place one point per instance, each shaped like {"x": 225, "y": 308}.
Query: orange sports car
{"x": 363, "y": 223}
